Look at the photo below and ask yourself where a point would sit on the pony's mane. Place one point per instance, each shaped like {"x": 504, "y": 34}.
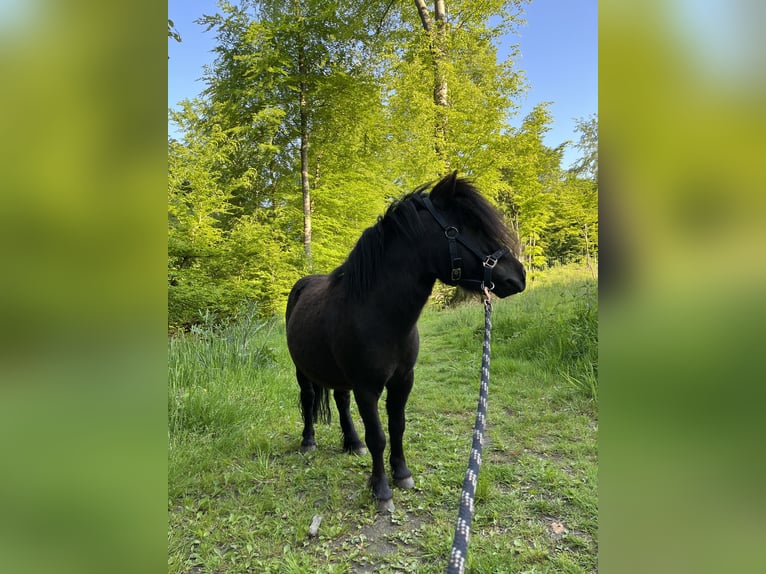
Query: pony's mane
{"x": 464, "y": 206}
{"x": 456, "y": 198}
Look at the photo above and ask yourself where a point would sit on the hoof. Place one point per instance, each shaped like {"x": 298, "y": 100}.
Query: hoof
{"x": 386, "y": 506}
{"x": 308, "y": 447}
{"x": 359, "y": 451}
{"x": 405, "y": 483}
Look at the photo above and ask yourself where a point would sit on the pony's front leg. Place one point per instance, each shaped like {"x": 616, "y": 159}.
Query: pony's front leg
{"x": 396, "y": 399}
{"x": 375, "y": 438}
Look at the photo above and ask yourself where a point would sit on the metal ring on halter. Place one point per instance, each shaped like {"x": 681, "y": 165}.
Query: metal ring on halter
{"x": 491, "y": 286}
{"x": 451, "y": 232}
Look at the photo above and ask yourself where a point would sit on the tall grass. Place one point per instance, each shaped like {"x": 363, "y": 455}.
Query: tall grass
{"x": 227, "y": 383}
{"x": 211, "y": 367}
{"x": 556, "y": 324}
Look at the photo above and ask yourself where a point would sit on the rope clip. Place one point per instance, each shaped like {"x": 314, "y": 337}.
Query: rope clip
{"x": 487, "y": 295}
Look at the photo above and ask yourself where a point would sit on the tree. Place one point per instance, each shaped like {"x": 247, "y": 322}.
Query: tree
{"x": 218, "y": 255}
{"x": 294, "y": 57}
{"x": 447, "y": 40}
{"x": 554, "y": 212}
{"x": 196, "y": 205}
{"x": 533, "y": 173}
{"x": 586, "y": 173}
{"x": 454, "y": 119}
{"x": 587, "y": 166}
{"x": 172, "y": 32}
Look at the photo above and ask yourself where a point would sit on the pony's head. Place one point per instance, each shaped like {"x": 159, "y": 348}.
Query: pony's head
{"x": 469, "y": 241}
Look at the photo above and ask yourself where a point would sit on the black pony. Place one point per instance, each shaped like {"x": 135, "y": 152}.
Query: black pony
{"x": 355, "y": 329}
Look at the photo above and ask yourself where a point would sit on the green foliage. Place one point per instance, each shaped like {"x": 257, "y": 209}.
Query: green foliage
{"x": 172, "y": 32}
{"x": 218, "y": 254}
{"x": 482, "y": 93}
{"x": 588, "y": 145}
{"x": 554, "y": 212}
{"x": 354, "y": 83}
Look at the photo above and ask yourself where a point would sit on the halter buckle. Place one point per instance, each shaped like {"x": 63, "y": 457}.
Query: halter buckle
{"x": 490, "y": 262}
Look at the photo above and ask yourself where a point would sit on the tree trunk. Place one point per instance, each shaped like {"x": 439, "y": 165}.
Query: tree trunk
{"x": 305, "y": 189}
{"x": 437, "y": 35}
{"x": 587, "y": 250}
{"x": 305, "y": 184}
{"x": 440, "y": 83}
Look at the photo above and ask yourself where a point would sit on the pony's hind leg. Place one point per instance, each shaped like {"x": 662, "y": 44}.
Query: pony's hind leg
{"x": 396, "y": 399}
{"x": 308, "y": 396}
{"x": 351, "y": 441}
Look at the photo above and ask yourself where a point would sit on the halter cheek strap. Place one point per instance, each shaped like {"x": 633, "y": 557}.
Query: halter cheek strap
{"x": 452, "y": 233}
{"x": 453, "y": 236}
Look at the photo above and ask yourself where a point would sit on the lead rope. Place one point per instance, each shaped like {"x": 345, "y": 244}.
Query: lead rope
{"x": 459, "y": 552}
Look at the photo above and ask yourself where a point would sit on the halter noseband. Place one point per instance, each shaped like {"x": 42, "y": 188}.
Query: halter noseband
{"x": 453, "y": 235}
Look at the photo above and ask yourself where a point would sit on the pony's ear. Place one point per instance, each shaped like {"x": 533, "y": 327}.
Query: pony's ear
{"x": 444, "y": 190}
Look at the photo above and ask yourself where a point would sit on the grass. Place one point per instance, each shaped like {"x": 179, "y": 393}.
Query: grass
{"x": 241, "y": 496}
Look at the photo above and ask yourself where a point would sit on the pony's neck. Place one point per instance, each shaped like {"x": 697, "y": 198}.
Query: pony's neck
{"x": 402, "y": 290}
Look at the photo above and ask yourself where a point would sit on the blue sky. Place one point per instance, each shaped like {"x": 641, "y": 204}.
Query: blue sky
{"x": 559, "y": 56}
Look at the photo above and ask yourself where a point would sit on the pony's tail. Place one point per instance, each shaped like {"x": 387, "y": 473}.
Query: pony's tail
{"x": 322, "y": 412}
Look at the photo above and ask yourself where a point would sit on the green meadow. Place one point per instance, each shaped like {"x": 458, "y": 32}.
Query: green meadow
{"x": 241, "y": 496}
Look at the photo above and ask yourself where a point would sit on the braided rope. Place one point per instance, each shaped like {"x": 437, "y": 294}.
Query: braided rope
{"x": 459, "y": 552}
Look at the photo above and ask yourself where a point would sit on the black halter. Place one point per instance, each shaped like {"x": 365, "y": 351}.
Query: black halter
{"x": 453, "y": 235}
